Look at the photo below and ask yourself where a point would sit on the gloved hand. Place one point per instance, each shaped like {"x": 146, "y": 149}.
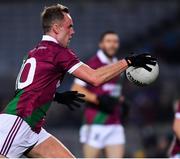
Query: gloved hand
{"x": 107, "y": 103}
{"x": 141, "y": 61}
{"x": 70, "y": 98}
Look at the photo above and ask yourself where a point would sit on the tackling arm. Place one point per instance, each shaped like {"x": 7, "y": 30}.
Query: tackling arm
{"x": 104, "y": 103}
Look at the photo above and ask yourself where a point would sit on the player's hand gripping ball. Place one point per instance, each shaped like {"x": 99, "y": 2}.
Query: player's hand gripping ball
{"x": 141, "y": 76}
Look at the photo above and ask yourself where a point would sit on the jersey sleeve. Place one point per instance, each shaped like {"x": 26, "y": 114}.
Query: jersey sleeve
{"x": 67, "y": 61}
{"x": 80, "y": 82}
{"x": 92, "y": 64}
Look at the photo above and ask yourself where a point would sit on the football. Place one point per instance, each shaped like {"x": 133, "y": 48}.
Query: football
{"x": 142, "y": 77}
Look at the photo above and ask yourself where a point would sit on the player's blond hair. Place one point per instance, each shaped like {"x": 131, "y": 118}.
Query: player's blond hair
{"x": 51, "y": 14}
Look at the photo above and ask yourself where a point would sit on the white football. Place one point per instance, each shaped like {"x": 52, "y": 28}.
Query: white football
{"x": 141, "y": 76}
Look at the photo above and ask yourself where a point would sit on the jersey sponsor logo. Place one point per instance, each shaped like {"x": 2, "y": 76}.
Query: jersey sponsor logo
{"x": 32, "y": 62}
{"x": 113, "y": 89}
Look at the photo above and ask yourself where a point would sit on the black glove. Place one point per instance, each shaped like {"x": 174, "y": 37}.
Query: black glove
{"x": 70, "y": 98}
{"x": 107, "y": 103}
{"x": 141, "y": 61}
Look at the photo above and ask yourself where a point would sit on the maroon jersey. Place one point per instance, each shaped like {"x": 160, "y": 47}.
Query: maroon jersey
{"x": 111, "y": 88}
{"x": 41, "y": 73}
{"x": 176, "y": 146}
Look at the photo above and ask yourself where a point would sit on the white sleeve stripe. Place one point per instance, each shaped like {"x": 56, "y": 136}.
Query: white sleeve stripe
{"x": 80, "y": 82}
{"x": 177, "y": 115}
{"x": 73, "y": 68}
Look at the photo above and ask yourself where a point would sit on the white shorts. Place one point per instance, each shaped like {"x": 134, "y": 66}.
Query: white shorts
{"x": 100, "y": 136}
{"x": 16, "y": 136}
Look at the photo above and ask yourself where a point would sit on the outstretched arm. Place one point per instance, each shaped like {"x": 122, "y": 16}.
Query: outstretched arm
{"x": 102, "y": 74}
{"x": 106, "y": 73}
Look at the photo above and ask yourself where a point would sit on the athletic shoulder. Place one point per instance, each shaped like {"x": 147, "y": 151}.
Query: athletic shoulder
{"x": 66, "y": 59}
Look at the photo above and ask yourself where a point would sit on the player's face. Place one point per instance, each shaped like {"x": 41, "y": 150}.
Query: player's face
{"x": 110, "y": 44}
{"x": 66, "y": 31}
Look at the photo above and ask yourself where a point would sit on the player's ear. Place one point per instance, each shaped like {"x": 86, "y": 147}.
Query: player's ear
{"x": 55, "y": 28}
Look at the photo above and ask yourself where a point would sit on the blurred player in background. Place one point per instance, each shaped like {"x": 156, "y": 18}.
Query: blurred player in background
{"x": 42, "y": 72}
{"x": 175, "y": 147}
{"x": 102, "y": 127}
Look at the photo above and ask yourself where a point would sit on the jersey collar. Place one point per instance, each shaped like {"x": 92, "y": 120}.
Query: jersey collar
{"x": 104, "y": 59}
{"x": 49, "y": 38}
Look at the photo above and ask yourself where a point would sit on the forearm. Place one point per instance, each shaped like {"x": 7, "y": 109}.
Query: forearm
{"x": 106, "y": 73}
{"x": 101, "y": 75}
{"x": 89, "y": 96}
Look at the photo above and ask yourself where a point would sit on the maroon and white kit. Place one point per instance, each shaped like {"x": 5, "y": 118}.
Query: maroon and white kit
{"x": 42, "y": 71}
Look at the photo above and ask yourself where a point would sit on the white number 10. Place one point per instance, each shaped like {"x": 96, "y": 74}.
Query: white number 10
{"x": 30, "y": 76}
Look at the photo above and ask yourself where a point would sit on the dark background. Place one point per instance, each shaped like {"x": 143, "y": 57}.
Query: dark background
{"x": 142, "y": 25}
